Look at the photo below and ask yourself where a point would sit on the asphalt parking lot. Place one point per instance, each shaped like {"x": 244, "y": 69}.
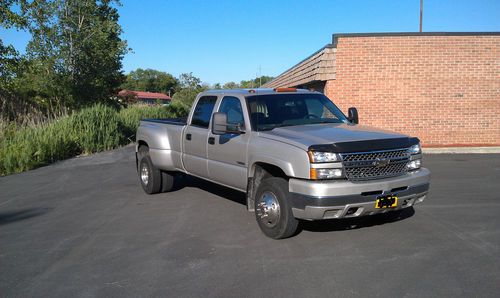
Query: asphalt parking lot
{"x": 84, "y": 227}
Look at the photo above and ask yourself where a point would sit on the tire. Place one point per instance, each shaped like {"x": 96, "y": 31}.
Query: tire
{"x": 167, "y": 181}
{"x": 141, "y": 152}
{"x": 149, "y": 176}
{"x": 272, "y": 209}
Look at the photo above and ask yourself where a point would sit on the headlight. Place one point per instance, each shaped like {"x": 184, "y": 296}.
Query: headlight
{"x": 315, "y": 157}
{"x": 326, "y": 173}
{"x": 414, "y": 164}
{"x": 415, "y": 149}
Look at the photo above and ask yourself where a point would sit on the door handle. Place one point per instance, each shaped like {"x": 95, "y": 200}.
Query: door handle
{"x": 211, "y": 140}
{"x": 188, "y": 137}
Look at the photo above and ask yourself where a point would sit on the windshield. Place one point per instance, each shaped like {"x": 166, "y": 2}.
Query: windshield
{"x": 278, "y": 110}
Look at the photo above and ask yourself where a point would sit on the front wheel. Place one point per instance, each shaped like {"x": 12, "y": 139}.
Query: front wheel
{"x": 272, "y": 209}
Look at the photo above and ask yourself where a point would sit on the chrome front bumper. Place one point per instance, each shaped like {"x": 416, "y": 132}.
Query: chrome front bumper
{"x": 313, "y": 200}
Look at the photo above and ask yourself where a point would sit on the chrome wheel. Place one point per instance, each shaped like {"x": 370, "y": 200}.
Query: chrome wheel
{"x": 268, "y": 209}
{"x": 144, "y": 174}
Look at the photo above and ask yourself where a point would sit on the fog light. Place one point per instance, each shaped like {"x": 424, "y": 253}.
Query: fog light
{"x": 414, "y": 164}
{"x": 420, "y": 199}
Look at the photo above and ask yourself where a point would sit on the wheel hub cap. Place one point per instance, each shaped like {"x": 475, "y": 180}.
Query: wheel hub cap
{"x": 145, "y": 175}
{"x": 268, "y": 209}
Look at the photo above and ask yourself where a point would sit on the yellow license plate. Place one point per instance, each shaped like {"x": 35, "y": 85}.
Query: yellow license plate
{"x": 387, "y": 201}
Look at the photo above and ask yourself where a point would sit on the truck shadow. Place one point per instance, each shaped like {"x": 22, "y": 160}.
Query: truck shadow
{"x": 330, "y": 225}
{"x": 218, "y": 190}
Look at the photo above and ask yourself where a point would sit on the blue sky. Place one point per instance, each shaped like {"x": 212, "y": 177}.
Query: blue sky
{"x": 221, "y": 41}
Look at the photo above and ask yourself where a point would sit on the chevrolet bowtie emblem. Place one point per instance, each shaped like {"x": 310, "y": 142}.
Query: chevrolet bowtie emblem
{"x": 381, "y": 162}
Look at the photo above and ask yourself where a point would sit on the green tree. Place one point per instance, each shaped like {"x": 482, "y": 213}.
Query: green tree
{"x": 77, "y": 46}
{"x": 255, "y": 83}
{"x": 190, "y": 86}
{"x": 230, "y": 85}
{"x": 11, "y": 63}
{"x": 150, "y": 80}
{"x": 10, "y": 18}
{"x": 188, "y": 80}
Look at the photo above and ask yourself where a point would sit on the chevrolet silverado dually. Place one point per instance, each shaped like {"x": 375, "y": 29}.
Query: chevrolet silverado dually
{"x": 292, "y": 151}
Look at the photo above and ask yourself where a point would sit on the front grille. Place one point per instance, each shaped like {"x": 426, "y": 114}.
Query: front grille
{"x": 376, "y": 164}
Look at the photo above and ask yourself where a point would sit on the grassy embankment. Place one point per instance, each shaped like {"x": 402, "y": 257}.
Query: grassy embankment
{"x": 89, "y": 130}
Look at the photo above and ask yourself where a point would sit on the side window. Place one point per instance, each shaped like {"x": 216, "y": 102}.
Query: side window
{"x": 203, "y": 111}
{"x": 232, "y": 107}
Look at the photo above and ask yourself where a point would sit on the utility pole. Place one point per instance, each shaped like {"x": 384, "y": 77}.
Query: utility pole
{"x": 260, "y": 76}
{"x": 421, "y": 13}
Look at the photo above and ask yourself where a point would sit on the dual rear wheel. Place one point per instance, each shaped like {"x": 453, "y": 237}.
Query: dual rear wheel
{"x": 152, "y": 180}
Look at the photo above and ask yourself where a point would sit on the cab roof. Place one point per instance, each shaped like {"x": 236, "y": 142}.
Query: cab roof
{"x": 257, "y": 91}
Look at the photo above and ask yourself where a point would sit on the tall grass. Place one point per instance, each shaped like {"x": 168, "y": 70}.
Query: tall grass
{"x": 30, "y": 147}
{"x": 90, "y": 130}
{"x": 97, "y": 128}
{"x": 130, "y": 117}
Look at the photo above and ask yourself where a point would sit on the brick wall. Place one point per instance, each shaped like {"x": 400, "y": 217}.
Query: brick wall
{"x": 443, "y": 89}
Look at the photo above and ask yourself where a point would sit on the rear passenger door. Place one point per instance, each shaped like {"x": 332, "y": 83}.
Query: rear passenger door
{"x": 196, "y": 136}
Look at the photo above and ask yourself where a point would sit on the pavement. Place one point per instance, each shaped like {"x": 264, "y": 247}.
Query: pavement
{"x": 84, "y": 228}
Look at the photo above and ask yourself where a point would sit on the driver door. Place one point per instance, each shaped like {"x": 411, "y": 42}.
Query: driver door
{"x": 227, "y": 154}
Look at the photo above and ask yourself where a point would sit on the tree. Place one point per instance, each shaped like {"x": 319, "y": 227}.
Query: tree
{"x": 9, "y": 18}
{"x": 230, "y": 85}
{"x": 190, "y": 86}
{"x": 77, "y": 46}
{"x": 11, "y": 63}
{"x": 9, "y": 58}
{"x": 150, "y": 80}
{"x": 188, "y": 80}
{"x": 255, "y": 83}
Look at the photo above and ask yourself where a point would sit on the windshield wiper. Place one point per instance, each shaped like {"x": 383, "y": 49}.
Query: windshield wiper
{"x": 275, "y": 126}
{"x": 327, "y": 121}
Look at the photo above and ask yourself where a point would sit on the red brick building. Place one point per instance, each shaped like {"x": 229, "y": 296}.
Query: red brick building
{"x": 442, "y": 87}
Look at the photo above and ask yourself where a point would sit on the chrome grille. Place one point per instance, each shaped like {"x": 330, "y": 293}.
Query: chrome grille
{"x": 376, "y": 164}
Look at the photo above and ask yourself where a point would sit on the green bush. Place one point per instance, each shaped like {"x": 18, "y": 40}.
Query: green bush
{"x": 90, "y": 130}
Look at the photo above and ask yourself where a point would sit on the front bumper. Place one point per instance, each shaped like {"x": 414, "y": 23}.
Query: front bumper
{"x": 313, "y": 200}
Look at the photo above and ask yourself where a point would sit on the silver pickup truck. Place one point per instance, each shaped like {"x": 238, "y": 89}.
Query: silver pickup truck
{"x": 292, "y": 151}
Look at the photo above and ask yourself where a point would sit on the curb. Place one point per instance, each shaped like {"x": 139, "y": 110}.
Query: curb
{"x": 458, "y": 150}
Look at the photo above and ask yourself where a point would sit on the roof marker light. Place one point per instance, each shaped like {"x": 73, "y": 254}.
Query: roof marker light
{"x": 285, "y": 89}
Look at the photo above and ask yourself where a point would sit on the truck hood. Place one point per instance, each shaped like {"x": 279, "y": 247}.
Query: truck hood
{"x": 304, "y": 136}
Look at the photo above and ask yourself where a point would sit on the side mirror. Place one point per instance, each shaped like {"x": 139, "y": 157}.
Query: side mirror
{"x": 219, "y": 123}
{"x": 353, "y": 115}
